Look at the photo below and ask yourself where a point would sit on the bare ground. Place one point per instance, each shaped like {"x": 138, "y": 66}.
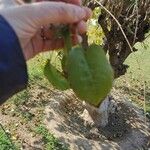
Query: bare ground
{"x": 69, "y": 121}
{"x": 65, "y": 117}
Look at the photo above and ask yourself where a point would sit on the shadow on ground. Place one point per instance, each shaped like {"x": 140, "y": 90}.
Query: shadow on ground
{"x": 126, "y": 128}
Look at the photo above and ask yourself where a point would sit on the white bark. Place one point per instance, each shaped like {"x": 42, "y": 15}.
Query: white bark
{"x": 100, "y": 115}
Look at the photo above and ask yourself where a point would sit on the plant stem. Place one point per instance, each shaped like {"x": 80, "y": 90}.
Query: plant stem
{"x": 67, "y": 39}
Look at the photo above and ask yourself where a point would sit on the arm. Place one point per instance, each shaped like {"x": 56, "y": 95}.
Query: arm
{"x": 20, "y": 38}
{"x": 13, "y": 71}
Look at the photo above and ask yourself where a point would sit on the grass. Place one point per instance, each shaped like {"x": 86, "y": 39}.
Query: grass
{"x": 51, "y": 143}
{"x": 36, "y": 78}
{"x": 5, "y": 141}
{"x": 138, "y": 76}
{"x": 21, "y": 98}
{"x": 131, "y": 84}
{"x": 139, "y": 62}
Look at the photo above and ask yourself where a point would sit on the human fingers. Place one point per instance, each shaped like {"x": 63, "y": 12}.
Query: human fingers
{"x": 50, "y": 32}
{"x": 33, "y": 16}
{"x": 37, "y": 45}
{"x": 54, "y": 12}
{"x": 76, "y": 2}
{"x": 79, "y": 28}
{"x": 38, "y": 14}
{"x": 59, "y": 43}
{"x": 9, "y": 3}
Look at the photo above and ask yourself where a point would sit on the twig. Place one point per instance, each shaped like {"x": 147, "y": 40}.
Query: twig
{"x": 147, "y": 36}
{"x": 137, "y": 21}
{"x": 144, "y": 105}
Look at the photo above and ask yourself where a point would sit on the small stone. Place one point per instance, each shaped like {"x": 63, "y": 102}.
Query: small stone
{"x": 128, "y": 122}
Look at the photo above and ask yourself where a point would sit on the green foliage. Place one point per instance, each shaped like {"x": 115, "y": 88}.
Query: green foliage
{"x": 26, "y": 115}
{"x": 5, "y": 143}
{"x": 85, "y": 70}
{"x": 55, "y": 77}
{"x": 139, "y": 61}
{"x": 21, "y": 98}
{"x": 89, "y": 73}
{"x": 95, "y": 33}
{"x": 36, "y": 67}
{"x": 132, "y": 83}
{"x": 51, "y": 143}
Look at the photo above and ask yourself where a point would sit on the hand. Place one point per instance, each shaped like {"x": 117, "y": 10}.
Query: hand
{"x": 27, "y": 19}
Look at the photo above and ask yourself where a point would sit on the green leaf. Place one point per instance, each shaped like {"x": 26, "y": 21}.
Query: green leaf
{"x": 55, "y": 77}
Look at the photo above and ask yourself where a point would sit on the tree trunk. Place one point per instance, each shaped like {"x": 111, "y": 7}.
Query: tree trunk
{"x": 100, "y": 115}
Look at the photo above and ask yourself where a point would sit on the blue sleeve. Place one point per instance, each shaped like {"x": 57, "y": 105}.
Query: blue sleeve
{"x": 13, "y": 70}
